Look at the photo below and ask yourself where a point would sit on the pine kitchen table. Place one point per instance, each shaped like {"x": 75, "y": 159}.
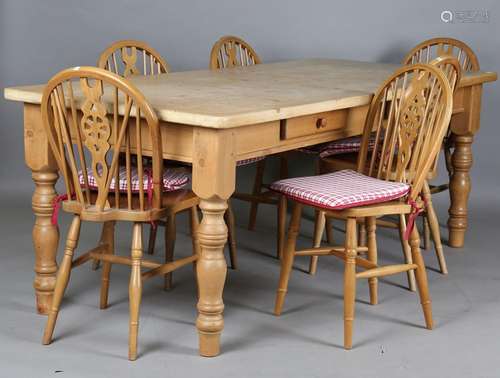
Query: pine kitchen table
{"x": 213, "y": 119}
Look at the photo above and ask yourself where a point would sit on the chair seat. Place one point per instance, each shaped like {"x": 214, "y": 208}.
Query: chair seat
{"x": 243, "y": 162}
{"x": 315, "y": 149}
{"x": 345, "y": 146}
{"x": 173, "y": 179}
{"x": 337, "y": 147}
{"x": 340, "y": 190}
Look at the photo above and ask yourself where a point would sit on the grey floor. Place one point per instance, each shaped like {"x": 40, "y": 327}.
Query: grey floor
{"x": 306, "y": 341}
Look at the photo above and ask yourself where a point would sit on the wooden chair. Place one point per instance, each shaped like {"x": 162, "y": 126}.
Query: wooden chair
{"x": 130, "y": 57}
{"x": 88, "y": 145}
{"x": 430, "y": 49}
{"x": 409, "y": 115}
{"x": 337, "y": 161}
{"x": 231, "y": 51}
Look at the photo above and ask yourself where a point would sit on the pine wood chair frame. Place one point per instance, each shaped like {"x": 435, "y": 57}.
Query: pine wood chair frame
{"x": 417, "y": 101}
{"x": 231, "y": 51}
{"x": 431, "y": 49}
{"x": 103, "y": 122}
{"x": 125, "y": 58}
{"x": 451, "y": 68}
{"x": 128, "y": 53}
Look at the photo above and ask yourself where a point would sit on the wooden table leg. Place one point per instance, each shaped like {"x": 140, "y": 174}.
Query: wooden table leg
{"x": 45, "y": 239}
{"x": 460, "y": 187}
{"x": 211, "y": 271}
{"x": 213, "y": 181}
{"x": 464, "y": 125}
{"x": 45, "y": 235}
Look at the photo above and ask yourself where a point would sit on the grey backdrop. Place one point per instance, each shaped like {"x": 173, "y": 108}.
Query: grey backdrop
{"x": 39, "y": 38}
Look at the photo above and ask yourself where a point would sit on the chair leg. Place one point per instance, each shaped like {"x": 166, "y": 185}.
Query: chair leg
{"x": 371, "y": 228}
{"x": 62, "y": 279}
{"x": 329, "y": 231}
{"x": 194, "y": 221}
{"x": 407, "y": 253}
{"x": 282, "y": 205}
{"x": 288, "y": 257}
{"x": 257, "y": 188}
{"x": 97, "y": 263}
{"x": 135, "y": 290}
{"x": 231, "y": 235}
{"x": 319, "y": 228}
{"x": 351, "y": 245}
{"x": 152, "y": 239}
{"x": 421, "y": 276}
{"x": 283, "y": 165}
{"x": 434, "y": 227}
{"x": 362, "y": 234}
{"x": 170, "y": 235}
{"x": 448, "y": 146}
{"x": 426, "y": 232}
{"x": 108, "y": 239}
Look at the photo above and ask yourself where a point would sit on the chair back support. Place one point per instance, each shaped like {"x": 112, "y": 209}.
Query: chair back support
{"x": 426, "y": 51}
{"x": 408, "y": 119}
{"x": 129, "y": 57}
{"x": 91, "y": 114}
{"x": 230, "y": 51}
{"x": 451, "y": 68}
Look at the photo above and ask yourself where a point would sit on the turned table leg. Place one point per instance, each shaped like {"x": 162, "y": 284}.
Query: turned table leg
{"x": 464, "y": 124}
{"x": 214, "y": 174}
{"x": 45, "y": 238}
{"x": 45, "y": 235}
{"x": 211, "y": 271}
{"x": 460, "y": 186}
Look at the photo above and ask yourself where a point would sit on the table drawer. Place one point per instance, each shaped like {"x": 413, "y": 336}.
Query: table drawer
{"x": 313, "y": 124}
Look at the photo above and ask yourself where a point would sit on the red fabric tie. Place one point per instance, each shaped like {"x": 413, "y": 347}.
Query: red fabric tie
{"x": 56, "y": 206}
{"x": 415, "y": 211}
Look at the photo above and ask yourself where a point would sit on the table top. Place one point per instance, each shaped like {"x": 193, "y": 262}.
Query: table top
{"x": 240, "y": 96}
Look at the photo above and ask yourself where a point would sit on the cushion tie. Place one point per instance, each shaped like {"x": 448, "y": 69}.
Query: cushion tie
{"x": 415, "y": 212}
{"x": 56, "y": 206}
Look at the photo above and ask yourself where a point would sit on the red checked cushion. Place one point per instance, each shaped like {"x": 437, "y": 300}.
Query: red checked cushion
{"x": 337, "y": 147}
{"x": 340, "y": 190}
{"x": 314, "y": 149}
{"x": 173, "y": 179}
{"x": 345, "y": 146}
{"x": 243, "y": 162}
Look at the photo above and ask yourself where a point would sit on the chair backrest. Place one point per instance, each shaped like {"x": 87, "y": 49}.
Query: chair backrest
{"x": 230, "y": 51}
{"x": 91, "y": 114}
{"x": 129, "y": 57}
{"x": 451, "y": 69}
{"x": 408, "y": 119}
{"x": 426, "y": 51}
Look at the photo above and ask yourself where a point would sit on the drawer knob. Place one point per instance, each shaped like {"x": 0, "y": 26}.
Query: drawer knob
{"x": 320, "y": 123}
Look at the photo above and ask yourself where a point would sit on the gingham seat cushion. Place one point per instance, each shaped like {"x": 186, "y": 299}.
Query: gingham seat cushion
{"x": 337, "y": 147}
{"x": 314, "y": 149}
{"x": 243, "y": 162}
{"x": 340, "y": 190}
{"x": 173, "y": 179}
{"x": 343, "y": 146}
